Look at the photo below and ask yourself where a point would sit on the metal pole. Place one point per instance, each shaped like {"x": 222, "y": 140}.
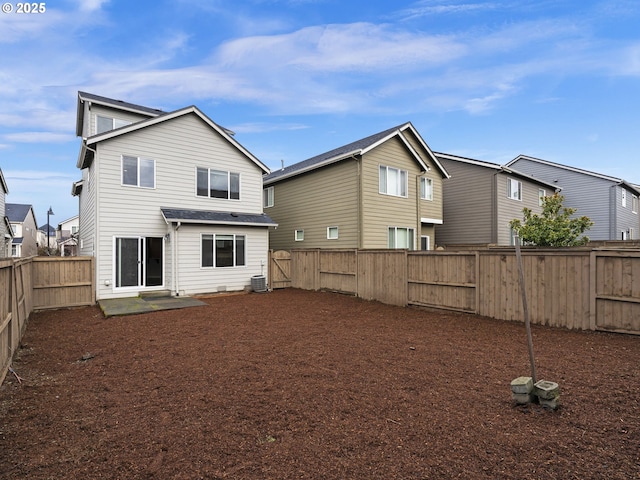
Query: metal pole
{"x": 526, "y": 309}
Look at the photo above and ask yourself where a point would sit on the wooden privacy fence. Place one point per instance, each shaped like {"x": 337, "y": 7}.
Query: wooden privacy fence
{"x": 587, "y": 289}
{"x": 38, "y": 283}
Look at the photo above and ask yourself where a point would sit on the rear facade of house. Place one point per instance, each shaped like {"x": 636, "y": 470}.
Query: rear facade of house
{"x": 481, "y": 198}
{"x": 383, "y": 191}
{"x": 611, "y": 203}
{"x": 169, "y": 202}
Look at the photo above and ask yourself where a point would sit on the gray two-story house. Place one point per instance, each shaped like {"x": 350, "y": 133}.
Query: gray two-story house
{"x": 610, "y": 202}
{"x": 481, "y": 198}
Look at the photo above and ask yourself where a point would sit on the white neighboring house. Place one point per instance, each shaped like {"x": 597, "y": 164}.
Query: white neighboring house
{"x": 6, "y": 231}
{"x": 168, "y": 201}
{"x": 66, "y": 236}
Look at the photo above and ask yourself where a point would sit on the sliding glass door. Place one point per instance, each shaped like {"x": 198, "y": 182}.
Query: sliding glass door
{"x": 138, "y": 261}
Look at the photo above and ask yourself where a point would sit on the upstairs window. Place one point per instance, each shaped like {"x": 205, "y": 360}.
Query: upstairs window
{"x": 514, "y": 189}
{"x": 634, "y": 204}
{"x": 105, "y": 124}
{"x": 393, "y": 181}
{"x": 268, "y": 197}
{"x": 624, "y": 198}
{"x": 138, "y": 172}
{"x": 217, "y": 184}
{"x": 332, "y": 233}
{"x": 541, "y": 194}
{"x": 426, "y": 188}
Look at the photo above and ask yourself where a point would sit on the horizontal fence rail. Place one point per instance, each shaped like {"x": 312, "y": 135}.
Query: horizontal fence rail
{"x": 38, "y": 283}
{"x": 575, "y": 288}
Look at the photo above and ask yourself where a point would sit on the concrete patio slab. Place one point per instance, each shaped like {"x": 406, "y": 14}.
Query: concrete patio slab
{"x": 133, "y": 305}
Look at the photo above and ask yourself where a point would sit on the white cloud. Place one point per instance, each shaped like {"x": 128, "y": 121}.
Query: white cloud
{"x": 360, "y": 47}
{"x": 38, "y": 137}
{"x": 91, "y": 5}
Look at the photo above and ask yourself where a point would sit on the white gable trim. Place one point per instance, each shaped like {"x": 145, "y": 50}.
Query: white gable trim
{"x": 170, "y": 116}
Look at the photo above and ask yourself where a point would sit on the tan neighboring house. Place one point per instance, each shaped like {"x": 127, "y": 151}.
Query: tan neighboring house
{"x": 383, "y": 191}
{"x": 6, "y": 232}
{"x": 168, "y": 202}
{"x": 481, "y": 198}
{"x": 25, "y": 232}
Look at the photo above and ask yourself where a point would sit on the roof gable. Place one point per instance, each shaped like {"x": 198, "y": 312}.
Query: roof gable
{"x": 17, "y": 212}
{"x": 618, "y": 181}
{"x": 3, "y": 182}
{"x": 359, "y": 147}
{"x": 85, "y": 99}
{"x": 87, "y": 154}
{"x": 498, "y": 168}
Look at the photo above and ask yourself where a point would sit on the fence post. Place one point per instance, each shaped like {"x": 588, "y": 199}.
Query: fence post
{"x": 593, "y": 289}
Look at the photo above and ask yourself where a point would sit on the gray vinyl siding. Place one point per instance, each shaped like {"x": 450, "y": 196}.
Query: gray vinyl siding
{"x": 509, "y": 209}
{"x": 468, "y": 204}
{"x": 113, "y": 113}
{"x": 590, "y": 195}
{"x": 194, "y": 279}
{"x": 325, "y": 197}
{"x": 5, "y": 243}
{"x": 625, "y": 218}
{"x": 178, "y": 147}
{"x": 87, "y": 212}
{"x": 381, "y": 211}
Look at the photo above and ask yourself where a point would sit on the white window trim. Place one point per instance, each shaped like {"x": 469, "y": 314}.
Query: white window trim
{"x": 329, "y": 237}
{"x": 296, "y": 237}
{"x": 214, "y": 235}
{"x": 541, "y": 194}
{"x": 402, "y": 185}
{"x": 229, "y": 173}
{"x": 115, "y": 123}
{"x": 624, "y": 198}
{"x": 428, "y": 188}
{"x": 138, "y": 159}
{"x": 413, "y": 236}
{"x": 510, "y": 191}
{"x": 269, "y": 197}
{"x": 634, "y": 204}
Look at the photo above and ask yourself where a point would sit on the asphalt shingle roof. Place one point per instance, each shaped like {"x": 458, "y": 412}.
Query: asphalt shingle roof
{"x": 215, "y": 217}
{"x": 16, "y": 212}
{"x": 361, "y": 144}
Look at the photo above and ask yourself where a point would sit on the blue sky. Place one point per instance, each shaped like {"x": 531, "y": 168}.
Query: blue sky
{"x": 554, "y": 79}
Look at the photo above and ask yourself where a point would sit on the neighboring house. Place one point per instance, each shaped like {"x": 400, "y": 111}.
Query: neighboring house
{"x": 47, "y": 237}
{"x": 383, "y": 191}
{"x": 168, "y": 201}
{"x": 6, "y": 232}
{"x": 23, "y": 224}
{"x": 66, "y": 235}
{"x": 481, "y": 198}
{"x": 611, "y": 203}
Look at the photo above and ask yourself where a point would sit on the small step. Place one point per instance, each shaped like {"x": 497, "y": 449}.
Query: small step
{"x": 155, "y": 294}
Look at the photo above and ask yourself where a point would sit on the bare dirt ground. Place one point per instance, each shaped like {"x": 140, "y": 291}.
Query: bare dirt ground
{"x": 311, "y": 385}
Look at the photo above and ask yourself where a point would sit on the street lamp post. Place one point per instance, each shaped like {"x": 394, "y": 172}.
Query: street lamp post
{"x": 50, "y": 212}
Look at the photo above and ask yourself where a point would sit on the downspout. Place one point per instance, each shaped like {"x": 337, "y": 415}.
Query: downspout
{"x": 418, "y": 244}
{"x": 174, "y": 259}
{"x": 96, "y": 218}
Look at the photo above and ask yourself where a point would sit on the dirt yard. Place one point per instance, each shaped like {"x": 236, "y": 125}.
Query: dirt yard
{"x": 309, "y": 385}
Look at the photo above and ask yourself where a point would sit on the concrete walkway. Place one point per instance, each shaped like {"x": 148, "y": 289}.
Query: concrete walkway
{"x": 133, "y": 305}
